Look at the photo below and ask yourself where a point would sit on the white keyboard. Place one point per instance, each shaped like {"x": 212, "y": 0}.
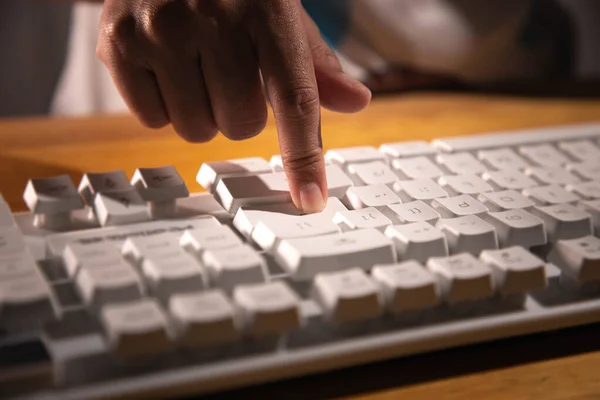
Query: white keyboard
{"x": 124, "y": 287}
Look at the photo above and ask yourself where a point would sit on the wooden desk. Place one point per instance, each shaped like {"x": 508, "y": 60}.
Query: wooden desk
{"x": 552, "y": 366}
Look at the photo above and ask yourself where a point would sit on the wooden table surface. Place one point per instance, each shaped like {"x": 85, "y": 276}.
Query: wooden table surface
{"x": 558, "y": 365}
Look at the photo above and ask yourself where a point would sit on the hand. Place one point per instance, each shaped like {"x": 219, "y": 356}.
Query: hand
{"x": 197, "y": 64}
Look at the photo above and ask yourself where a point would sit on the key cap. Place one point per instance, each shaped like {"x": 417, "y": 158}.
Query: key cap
{"x": 92, "y": 255}
{"x": 460, "y": 163}
{"x": 549, "y": 195}
{"x": 120, "y": 208}
{"x": 415, "y": 211}
{"x": 508, "y": 180}
{"x": 502, "y": 159}
{"x": 517, "y": 228}
{"x": 52, "y": 200}
{"x": 231, "y": 267}
{"x": 580, "y": 150}
{"x": 407, "y": 149}
{"x": 26, "y": 301}
{"x": 353, "y": 155}
{"x": 161, "y": 187}
{"x": 462, "y": 277}
{"x": 6, "y": 218}
{"x": 515, "y": 270}
{"x": 200, "y": 240}
{"x": 361, "y": 219}
{"x": 589, "y": 170}
{"x": 348, "y": 296}
{"x": 586, "y": 190}
{"x": 136, "y": 249}
{"x": 112, "y": 284}
{"x": 544, "y": 155}
{"x": 377, "y": 196}
{"x": 372, "y": 173}
{"x": 505, "y": 200}
{"x": 211, "y": 173}
{"x": 11, "y": 241}
{"x": 419, "y": 189}
{"x": 564, "y": 221}
{"x": 102, "y": 182}
{"x": 17, "y": 265}
{"x": 270, "y": 188}
{"x": 416, "y": 168}
{"x": 204, "y": 319}
{"x": 268, "y": 308}
{"x": 417, "y": 241}
{"x": 459, "y": 206}
{"x": 578, "y": 258}
{"x": 304, "y": 258}
{"x": 464, "y": 184}
{"x": 468, "y": 234}
{"x": 26, "y": 365}
{"x": 176, "y": 273}
{"x": 551, "y": 175}
{"x": 592, "y": 207}
{"x": 136, "y": 329}
{"x": 407, "y": 286}
{"x": 202, "y": 204}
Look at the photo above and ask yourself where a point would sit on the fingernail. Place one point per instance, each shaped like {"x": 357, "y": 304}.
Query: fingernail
{"x": 311, "y": 198}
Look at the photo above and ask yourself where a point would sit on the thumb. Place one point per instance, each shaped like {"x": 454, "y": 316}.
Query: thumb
{"x": 337, "y": 91}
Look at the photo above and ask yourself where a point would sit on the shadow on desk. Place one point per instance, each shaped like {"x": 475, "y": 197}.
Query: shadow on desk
{"x": 428, "y": 367}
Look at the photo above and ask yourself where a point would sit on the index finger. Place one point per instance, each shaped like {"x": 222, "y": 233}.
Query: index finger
{"x": 288, "y": 72}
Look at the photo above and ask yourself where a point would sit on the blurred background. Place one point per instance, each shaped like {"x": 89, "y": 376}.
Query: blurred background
{"x": 48, "y": 64}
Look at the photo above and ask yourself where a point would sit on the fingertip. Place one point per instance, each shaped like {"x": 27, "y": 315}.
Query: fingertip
{"x": 311, "y": 198}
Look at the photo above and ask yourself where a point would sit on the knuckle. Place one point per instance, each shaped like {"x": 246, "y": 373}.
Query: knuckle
{"x": 307, "y": 162}
{"x": 299, "y": 103}
{"x": 118, "y": 34}
{"x": 166, "y": 22}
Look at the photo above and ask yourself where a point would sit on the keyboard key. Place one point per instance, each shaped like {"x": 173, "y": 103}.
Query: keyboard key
{"x": 204, "y": 319}
{"x": 515, "y": 270}
{"x": 415, "y": 211}
{"x": 564, "y": 221}
{"x": 505, "y": 200}
{"x": 353, "y": 155}
{"x": 593, "y": 208}
{"x": 551, "y": 175}
{"x": 468, "y": 234}
{"x": 52, "y": 200}
{"x": 502, "y": 159}
{"x": 26, "y": 365}
{"x": 372, "y": 173}
{"x": 419, "y": 189}
{"x": 102, "y": 182}
{"x": 580, "y": 150}
{"x": 589, "y": 170}
{"x": 172, "y": 274}
{"x": 92, "y": 255}
{"x": 407, "y": 149}
{"x": 6, "y": 218}
{"x": 200, "y": 240}
{"x": 211, "y": 173}
{"x": 544, "y": 155}
{"x": 407, "y": 286}
{"x": 348, "y": 296}
{"x": 136, "y": 329}
{"x": 17, "y": 265}
{"x": 11, "y": 241}
{"x": 461, "y": 163}
{"x": 377, "y": 196}
{"x": 306, "y": 257}
{"x": 364, "y": 218}
{"x": 462, "y": 278}
{"x": 121, "y": 208}
{"x": 517, "y": 228}
{"x": 270, "y": 188}
{"x": 586, "y": 190}
{"x": 136, "y": 249}
{"x": 451, "y": 207}
{"x": 268, "y": 308}
{"x": 578, "y": 258}
{"x": 112, "y": 284}
{"x": 417, "y": 241}
{"x": 464, "y": 184}
{"x": 416, "y": 168}
{"x": 549, "y": 195}
{"x": 161, "y": 187}
{"x": 508, "y": 180}
{"x": 235, "y": 266}
{"x": 26, "y": 297}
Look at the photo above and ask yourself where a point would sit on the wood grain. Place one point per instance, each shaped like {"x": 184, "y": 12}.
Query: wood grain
{"x": 551, "y": 366}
